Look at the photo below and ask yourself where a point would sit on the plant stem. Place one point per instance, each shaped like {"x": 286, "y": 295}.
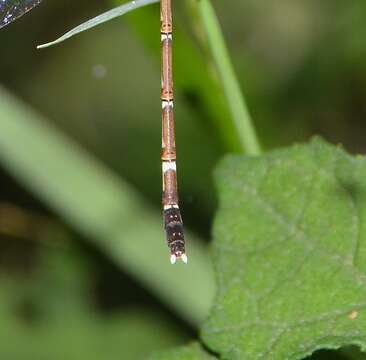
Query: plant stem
{"x": 236, "y": 102}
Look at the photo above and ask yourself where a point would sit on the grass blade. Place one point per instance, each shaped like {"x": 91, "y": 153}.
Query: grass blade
{"x": 234, "y": 96}
{"x": 100, "y": 19}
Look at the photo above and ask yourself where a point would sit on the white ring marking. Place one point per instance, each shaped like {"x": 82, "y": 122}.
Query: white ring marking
{"x": 169, "y": 165}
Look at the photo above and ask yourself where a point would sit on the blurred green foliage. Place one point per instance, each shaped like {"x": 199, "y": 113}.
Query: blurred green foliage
{"x": 302, "y": 68}
{"x": 48, "y": 314}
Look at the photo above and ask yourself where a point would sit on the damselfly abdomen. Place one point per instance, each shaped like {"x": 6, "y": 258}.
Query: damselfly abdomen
{"x": 10, "y": 10}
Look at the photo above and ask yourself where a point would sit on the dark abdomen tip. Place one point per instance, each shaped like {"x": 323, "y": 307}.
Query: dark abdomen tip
{"x": 174, "y": 231}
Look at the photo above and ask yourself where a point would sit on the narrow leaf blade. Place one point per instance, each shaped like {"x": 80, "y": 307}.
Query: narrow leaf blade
{"x": 100, "y": 19}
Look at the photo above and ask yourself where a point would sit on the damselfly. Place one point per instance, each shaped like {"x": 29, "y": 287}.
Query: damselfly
{"x": 10, "y": 10}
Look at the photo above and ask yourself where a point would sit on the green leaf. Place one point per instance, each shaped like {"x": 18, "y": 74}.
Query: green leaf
{"x": 193, "y": 351}
{"x": 290, "y": 254}
{"x": 100, "y": 19}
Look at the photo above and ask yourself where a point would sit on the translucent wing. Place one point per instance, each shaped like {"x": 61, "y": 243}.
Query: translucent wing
{"x": 10, "y": 10}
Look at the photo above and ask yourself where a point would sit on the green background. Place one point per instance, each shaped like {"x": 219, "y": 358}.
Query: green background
{"x": 302, "y": 67}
